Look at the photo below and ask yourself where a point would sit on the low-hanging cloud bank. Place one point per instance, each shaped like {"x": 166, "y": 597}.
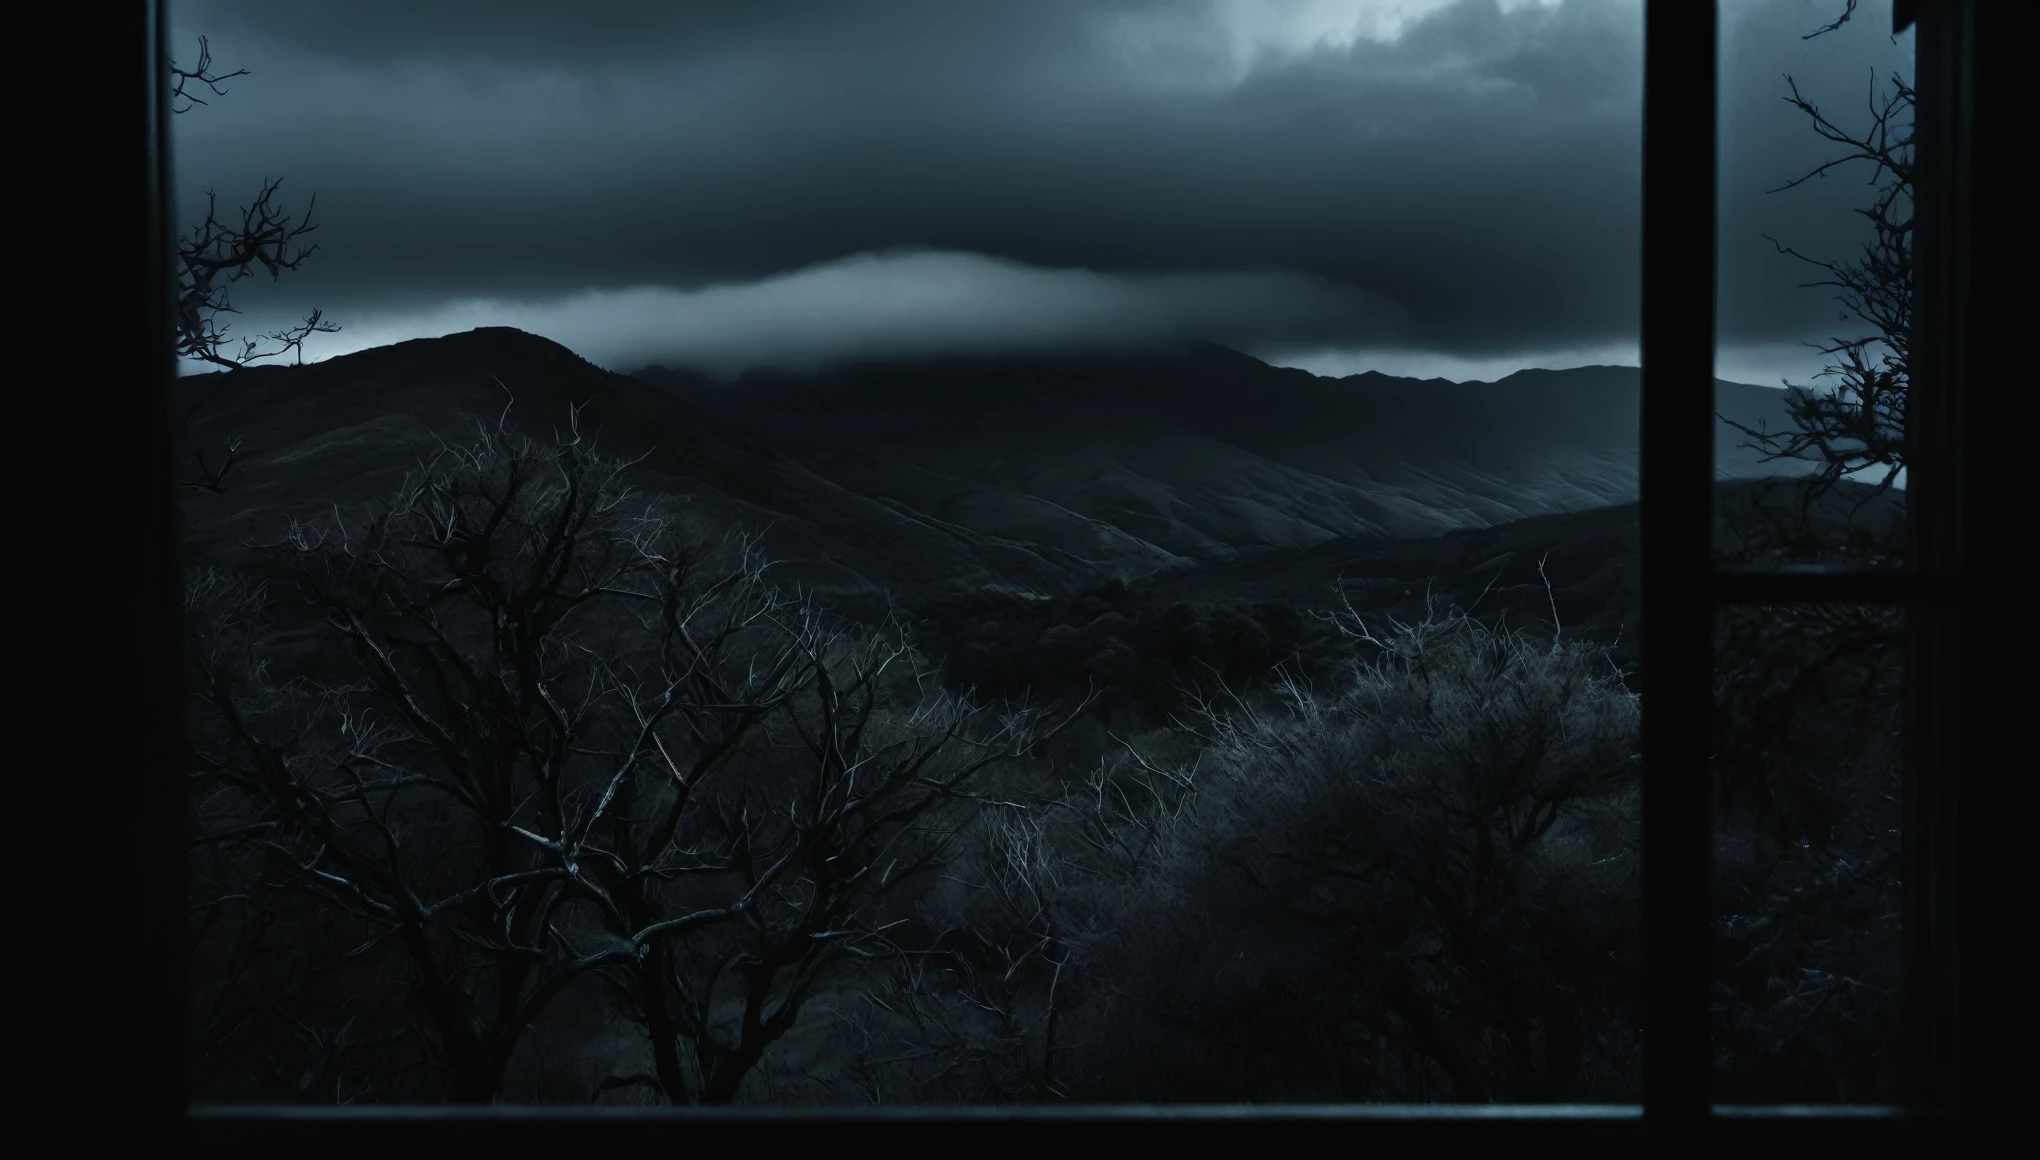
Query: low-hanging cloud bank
{"x": 909, "y": 304}
{"x": 924, "y": 303}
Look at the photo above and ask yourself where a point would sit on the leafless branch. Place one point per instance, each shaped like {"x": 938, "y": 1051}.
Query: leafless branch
{"x": 200, "y": 74}
{"x": 1847, "y": 11}
{"x": 588, "y": 741}
{"x": 213, "y": 477}
{"x": 1855, "y": 421}
{"x": 218, "y": 252}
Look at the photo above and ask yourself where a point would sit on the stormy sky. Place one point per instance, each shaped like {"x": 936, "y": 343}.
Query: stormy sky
{"x": 1419, "y": 186}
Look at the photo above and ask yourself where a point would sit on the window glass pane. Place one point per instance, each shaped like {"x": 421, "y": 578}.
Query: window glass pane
{"x": 1807, "y": 993}
{"x": 1058, "y": 551}
{"x": 1815, "y": 286}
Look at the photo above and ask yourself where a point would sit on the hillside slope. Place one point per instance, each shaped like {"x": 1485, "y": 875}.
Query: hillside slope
{"x": 1203, "y": 454}
{"x": 344, "y": 432}
{"x": 1030, "y": 475}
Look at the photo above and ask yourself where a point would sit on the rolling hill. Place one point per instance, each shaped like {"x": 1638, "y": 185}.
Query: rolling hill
{"x": 344, "y": 432}
{"x": 1141, "y": 463}
{"x": 1023, "y": 474}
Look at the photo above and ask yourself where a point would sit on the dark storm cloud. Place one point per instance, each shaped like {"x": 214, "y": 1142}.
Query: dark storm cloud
{"x": 641, "y": 33}
{"x": 1462, "y": 181}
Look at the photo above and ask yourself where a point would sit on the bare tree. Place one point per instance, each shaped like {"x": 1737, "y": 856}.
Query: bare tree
{"x": 1856, "y": 422}
{"x": 1807, "y": 732}
{"x": 872, "y": 803}
{"x": 216, "y": 252}
{"x": 584, "y": 744}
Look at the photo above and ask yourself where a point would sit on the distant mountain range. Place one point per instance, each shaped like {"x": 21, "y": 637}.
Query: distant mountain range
{"x": 1033, "y": 474}
{"x": 1203, "y": 454}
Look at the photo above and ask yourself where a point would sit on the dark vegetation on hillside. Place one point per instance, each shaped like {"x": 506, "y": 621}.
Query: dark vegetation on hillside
{"x": 525, "y": 782}
{"x": 1808, "y": 990}
{"x": 584, "y": 808}
{"x": 1155, "y": 643}
{"x": 1148, "y": 658}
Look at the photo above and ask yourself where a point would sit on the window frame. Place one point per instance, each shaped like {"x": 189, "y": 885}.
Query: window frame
{"x": 137, "y": 924}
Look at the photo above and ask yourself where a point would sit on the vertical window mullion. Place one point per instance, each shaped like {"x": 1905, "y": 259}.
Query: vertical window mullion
{"x": 160, "y": 1045}
{"x": 1942, "y": 129}
{"x": 1677, "y": 500}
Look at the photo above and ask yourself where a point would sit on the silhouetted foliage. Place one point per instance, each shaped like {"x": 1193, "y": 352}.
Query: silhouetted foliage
{"x": 1145, "y": 656}
{"x": 1808, "y": 1001}
{"x": 217, "y": 252}
{"x": 582, "y": 754}
{"x": 1855, "y": 421}
{"x": 1417, "y": 881}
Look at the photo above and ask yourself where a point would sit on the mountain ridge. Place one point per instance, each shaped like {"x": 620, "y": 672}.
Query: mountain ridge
{"x": 1035, "y": 474}
{"x": 1205, "y": 453}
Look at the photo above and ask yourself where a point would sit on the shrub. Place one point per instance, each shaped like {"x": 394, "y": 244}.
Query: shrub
{"x": 1419, "y": 882}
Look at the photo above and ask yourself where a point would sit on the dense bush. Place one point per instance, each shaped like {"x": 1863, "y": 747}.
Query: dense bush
{"x": 1418, "y": 882}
